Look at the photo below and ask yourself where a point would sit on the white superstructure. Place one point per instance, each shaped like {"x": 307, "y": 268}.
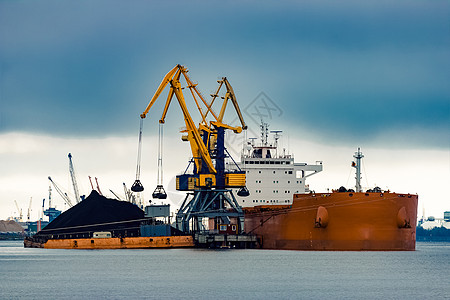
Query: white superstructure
{"x": 272, "y": 178}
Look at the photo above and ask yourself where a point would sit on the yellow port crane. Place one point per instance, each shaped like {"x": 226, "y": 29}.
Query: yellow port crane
{"x": 209, "y": 180}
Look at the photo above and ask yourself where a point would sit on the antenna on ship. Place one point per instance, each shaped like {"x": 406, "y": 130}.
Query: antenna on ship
{"x": 357, "y": 165}
{"x": 276, "y": 137}
{"x": 244, "y": 144}
{"x": 250, "y": 144}
{"x": 264, "y": 132}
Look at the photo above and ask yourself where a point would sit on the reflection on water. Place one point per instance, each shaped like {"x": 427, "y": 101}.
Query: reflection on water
{"x": 197, "y": 273}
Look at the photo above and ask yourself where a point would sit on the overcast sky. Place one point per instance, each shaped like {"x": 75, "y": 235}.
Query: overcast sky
{"x": 334, "y": 75}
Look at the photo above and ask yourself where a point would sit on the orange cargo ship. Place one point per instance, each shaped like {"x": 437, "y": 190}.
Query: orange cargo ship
{"x": 341, "y": 220}
{"x": 337, "y": 221}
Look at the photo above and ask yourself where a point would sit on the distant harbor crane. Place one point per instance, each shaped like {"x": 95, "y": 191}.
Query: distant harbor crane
{"x": 129, "y": 195}
{"x": 74, "y": 180}
{"x": 98, "y": 187}
{"x": 42, "y": 210}
{"x": 61, "y": 193}
{"x": 19, "y": 210}
{"x": 52, "y": 213}
{"x": 115, "y": 195}
{"x": 29, "y": 210}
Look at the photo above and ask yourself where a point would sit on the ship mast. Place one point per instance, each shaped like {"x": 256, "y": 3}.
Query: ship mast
{"x": 264, "y": 133}
{"x": 357, "y": 165}
{"x": 277, "y": 137}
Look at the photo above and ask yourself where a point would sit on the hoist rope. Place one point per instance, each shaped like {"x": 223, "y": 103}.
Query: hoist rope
{"x": 138, "y": 166}
{"x": 160, "y": 149}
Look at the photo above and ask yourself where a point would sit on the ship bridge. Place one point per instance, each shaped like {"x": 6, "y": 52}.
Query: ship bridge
{"x": 272, "y": 176}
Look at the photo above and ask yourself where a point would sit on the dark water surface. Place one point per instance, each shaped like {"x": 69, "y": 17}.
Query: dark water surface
{"x": 223, "y": 274}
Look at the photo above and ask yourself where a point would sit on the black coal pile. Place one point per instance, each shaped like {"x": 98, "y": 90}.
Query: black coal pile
{"x": 95, "y": 213}
{"x": 97, "y": 209}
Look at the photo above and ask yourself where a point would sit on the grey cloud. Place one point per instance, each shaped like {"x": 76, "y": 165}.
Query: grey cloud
{"x": 89, "y": 68}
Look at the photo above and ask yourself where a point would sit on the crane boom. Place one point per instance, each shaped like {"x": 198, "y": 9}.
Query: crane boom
{"x": 49, "y": 196}
{"x": 232, "y": 96}
{"x": 90, "y": 180}
{"x": 74, "y": 179}
{"x": 61, "y": 193}
{"x": 19, "y": 211}
{"x": 118, "y": 198}
{"x": 197, "y": 145}
{"x": 17, "y": 206}
{"x": 161, "y": 87}
{"x": 98, "y": 187}
{"x": 42, "y": 211}
{"x": 126, "y": 192}
{"x": 199, "y": 148}
{"x": 29, "y": 210}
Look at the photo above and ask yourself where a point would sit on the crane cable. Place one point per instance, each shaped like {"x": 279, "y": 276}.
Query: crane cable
{"x": 159, "y": 192}
{"x": 160, "y": 149}
{"x": 138, "y": 165}
{"x": 137, "y": 185}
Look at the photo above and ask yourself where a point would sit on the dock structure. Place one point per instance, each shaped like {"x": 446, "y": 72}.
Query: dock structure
{"x": 215, "y": 240}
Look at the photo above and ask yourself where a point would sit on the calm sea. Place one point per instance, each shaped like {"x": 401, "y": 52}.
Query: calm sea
{"x": 223, "y": 274}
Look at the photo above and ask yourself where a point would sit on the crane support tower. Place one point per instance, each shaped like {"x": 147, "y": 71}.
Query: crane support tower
{"x": 52, "y": 213}
{"x": 209, "y": 204}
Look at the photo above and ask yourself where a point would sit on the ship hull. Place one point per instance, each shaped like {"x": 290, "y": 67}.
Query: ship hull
{"x": 337, "y": 221}
{"x": 114, "y": 243}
